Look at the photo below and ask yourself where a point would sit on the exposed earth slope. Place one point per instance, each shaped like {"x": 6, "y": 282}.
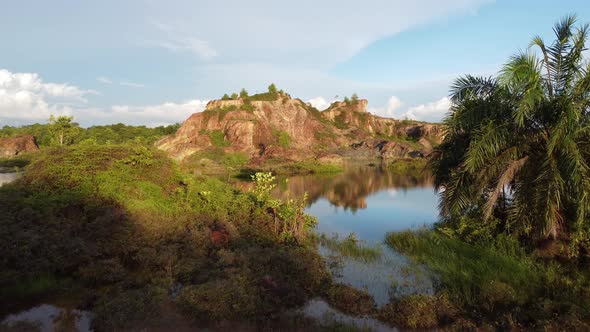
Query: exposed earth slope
{"x": 275, "y": 125}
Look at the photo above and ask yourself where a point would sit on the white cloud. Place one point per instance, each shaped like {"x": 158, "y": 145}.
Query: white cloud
{"x": 150, "y": 115}
{"x": 320, "y": 103}
{"x": 390, "y": 109}
{"x": 132, "y": 84}
{"x": 104, "y": 80}
{"x": 433, "y": 111}
{"x": 25, "y": 97}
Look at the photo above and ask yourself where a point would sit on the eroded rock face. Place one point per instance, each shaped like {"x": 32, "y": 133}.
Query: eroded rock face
{"x": 291, "y": 129}
{"x": 14, "y": 146}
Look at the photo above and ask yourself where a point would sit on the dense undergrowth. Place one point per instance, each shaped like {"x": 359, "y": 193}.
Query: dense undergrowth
{"x": 495, "y": 283}
{"x": 125, "y": 228}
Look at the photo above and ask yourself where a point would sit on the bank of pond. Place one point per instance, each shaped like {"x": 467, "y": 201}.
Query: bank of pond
{"x": 122, "y": 238}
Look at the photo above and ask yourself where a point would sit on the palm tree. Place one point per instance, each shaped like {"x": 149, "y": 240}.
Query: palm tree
{"x": 518, "y": 145}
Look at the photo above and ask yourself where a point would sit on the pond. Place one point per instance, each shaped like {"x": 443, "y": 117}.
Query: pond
{"x": 8, "y": 177}
{"x": 364, "y": 203}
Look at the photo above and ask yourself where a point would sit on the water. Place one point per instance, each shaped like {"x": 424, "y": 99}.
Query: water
{"x": 8, "y": 177}
{"x": 48, "y": 318}
{"x": 369, "y": 202}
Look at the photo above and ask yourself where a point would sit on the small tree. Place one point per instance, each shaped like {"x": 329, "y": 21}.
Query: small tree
{"x": 354, "y": 98}
{"x": 243, "y": 93}
{"x": 225, "y": 97}
{"x": 346, "y": 100}
{"x": 272, "y": 88}
{"x": 234, "y": 96}
{"x": 63, "y": 130}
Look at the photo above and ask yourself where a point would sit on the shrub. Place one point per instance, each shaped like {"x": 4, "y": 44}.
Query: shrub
{"x": 350, "y": 300}
{"x": 284, "y": 139}
{"x": 419, "y": 312}
{"x": 217, "y": 138}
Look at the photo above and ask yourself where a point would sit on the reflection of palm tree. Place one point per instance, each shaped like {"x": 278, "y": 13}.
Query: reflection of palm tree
{"x": 66, "y": 320}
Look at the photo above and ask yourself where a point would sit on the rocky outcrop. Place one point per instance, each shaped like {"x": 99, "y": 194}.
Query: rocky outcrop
{"x": 291, "y": 129}
{"x": 14, "y": 146}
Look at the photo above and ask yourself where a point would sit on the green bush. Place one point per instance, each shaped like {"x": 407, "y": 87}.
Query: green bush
{"x": 217, "y": 138}
{"x": 284, "y": 139}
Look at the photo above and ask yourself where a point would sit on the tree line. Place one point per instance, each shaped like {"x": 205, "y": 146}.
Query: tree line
{"x": 63, "y": 130}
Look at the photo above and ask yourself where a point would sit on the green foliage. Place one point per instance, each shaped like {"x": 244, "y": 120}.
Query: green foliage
{"x": 416, "y": 167}
{"x": 63, "y": 130}
{"x": 516, "y": 145}
{"x": 217, "y": 138}
{"x": 272, "y": 88}
{"x": 350, "y": 300}
{"x": 234, "y": 96}
{"x": 220, "y": 112}
{"x": 243, "y": 94}
{"x": 351, "y": 247}
{"x": 496, "y": 279}
{"x": 346, "y": 100}
{"x": 125, "y": 224}
{"x": 100, "y": 135}
{"x": 284, "y": 139}
{"x": 248, "y": 107}
{"x": 290, "y": 220}
{"x": 225, "y": 97}
{"x": 140, "y": 156}
{"x": 354, "y": 98}
{"x": 419, "y": 312}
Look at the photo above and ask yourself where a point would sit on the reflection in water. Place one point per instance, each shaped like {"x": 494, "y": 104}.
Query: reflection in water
{"x": 49, "y": 318}
{"x": 369, "y": 202}
{"x": 8, "y": 177}
{"x": 322, "y": 312}
{"x": 350, "y": 188}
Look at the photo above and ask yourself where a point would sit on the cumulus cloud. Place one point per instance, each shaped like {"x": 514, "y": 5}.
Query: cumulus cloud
{"x": 320, "y": 103}
{"x": 390, "y": 109}
{"x": 149, "y": 115}
{"x": 433, "y": 111}
{"x": 25, "y": 97}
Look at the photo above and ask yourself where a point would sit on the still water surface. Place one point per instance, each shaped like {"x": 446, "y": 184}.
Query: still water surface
{"x": 369, "y": 202}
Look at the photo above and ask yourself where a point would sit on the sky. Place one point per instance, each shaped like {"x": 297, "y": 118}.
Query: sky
{"x": 156, "y": 62}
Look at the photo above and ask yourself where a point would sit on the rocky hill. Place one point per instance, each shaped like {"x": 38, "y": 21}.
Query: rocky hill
{"x": 13, "y": 146}
{"x": 275, "y": 125}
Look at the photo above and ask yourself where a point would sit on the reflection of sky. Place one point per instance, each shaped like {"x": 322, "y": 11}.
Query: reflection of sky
{"x": 387, "y": 211}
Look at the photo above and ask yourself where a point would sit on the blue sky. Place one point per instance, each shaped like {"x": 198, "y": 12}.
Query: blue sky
{"x": 155, "y": 62}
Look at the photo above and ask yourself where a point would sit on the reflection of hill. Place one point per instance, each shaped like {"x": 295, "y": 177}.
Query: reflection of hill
{"x": 348, "y": 189}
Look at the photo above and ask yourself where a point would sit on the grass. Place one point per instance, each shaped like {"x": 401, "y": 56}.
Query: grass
{"x": 411, "y": 166}
{"x": 351, "y": 247}
{"x": 266, "y": 96}
{"x": 498, "y": 281}
{"x": 277, "y": 166}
